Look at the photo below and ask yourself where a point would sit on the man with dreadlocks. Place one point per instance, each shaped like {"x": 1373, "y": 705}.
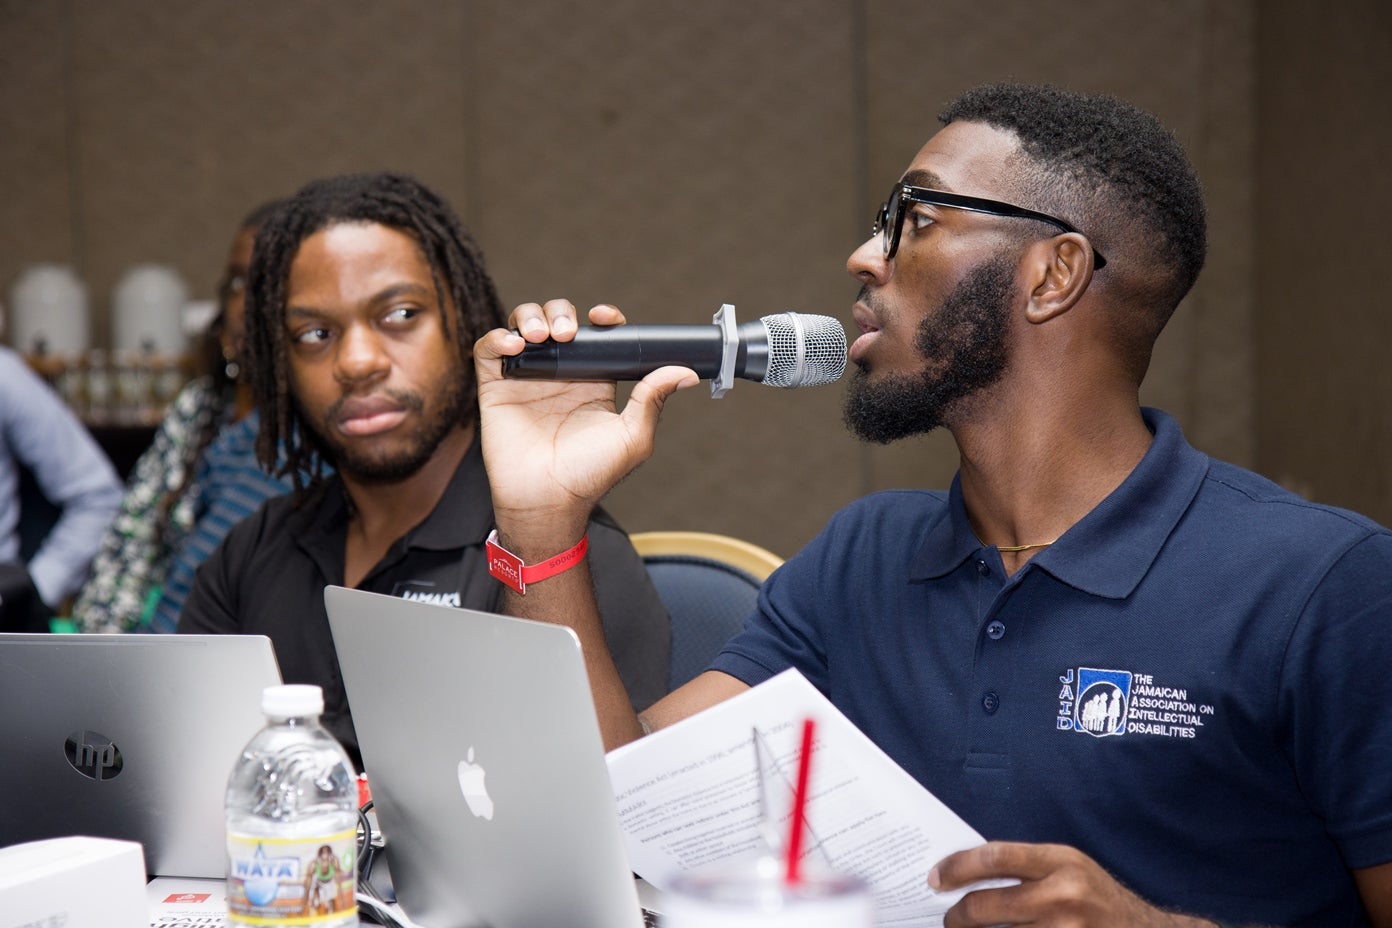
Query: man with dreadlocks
{"x": 365, "y": 298}
{"x": 1155, "y": 682}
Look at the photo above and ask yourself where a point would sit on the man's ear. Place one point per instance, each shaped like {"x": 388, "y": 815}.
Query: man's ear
{"x": 1059, "y": 271}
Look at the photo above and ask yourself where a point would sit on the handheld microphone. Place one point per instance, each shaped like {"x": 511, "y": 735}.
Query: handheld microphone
{"x": 785, "y": 350}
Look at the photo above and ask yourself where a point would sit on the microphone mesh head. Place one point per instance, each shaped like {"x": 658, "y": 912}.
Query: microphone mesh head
{"x": 804, "y": 351}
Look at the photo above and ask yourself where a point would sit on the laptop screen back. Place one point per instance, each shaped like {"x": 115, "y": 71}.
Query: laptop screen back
{"x": 486, "y": 764}
{"x": 128, "y": 736}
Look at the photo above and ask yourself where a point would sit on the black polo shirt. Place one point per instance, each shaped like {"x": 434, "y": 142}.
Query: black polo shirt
{"x": 268, "y": 578}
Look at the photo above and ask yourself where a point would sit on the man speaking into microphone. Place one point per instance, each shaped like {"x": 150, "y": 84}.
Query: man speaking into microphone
{"x": 1012, "y": 641}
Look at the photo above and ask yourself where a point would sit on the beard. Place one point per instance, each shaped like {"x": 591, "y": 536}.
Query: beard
{"x": 964, "y": 346}
{"x": 391, "y": 466}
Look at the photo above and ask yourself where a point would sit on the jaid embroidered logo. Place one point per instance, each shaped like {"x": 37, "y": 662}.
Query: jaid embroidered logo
{"x": 1111, "y": 703}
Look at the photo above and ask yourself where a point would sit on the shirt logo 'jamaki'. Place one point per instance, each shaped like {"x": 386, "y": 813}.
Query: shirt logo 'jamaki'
{"x": 425, "y": 591}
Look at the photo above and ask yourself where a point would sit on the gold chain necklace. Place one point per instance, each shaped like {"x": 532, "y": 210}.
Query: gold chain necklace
{"x": 1015, "y": 549}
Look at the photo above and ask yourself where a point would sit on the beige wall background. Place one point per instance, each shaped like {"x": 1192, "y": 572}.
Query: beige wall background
{"x": 670, "y": 157}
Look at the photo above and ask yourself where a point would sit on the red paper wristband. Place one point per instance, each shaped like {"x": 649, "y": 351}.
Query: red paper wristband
{"x": 508, "y": 567}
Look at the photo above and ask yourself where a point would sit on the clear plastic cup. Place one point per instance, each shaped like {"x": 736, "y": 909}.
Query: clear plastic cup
{"x": 753, "y": 899}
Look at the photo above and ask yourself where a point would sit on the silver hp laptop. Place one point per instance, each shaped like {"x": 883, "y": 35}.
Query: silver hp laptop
{"x": 128, "y": 736}
{"x": 480, "y": 741}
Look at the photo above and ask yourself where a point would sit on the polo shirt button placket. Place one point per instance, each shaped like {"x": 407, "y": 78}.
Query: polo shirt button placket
{"x": 983, "y": 568}
{"x": 990, "y": 702}
{"x": 996, "y": 630}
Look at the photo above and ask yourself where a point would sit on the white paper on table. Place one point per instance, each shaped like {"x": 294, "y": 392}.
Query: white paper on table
{"x": 176, "y": 902}
{"x": 688, "y": 797}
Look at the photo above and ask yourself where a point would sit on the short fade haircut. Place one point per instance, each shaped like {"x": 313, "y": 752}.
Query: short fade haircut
{"x": 394, "y": 200}
{"x": 1112, "y": 169}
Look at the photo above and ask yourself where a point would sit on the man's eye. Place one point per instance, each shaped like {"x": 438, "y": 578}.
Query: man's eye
{"x": 919, "y": 219}
{"x": 401, "y": 315}
{"x": 312, "y": 336}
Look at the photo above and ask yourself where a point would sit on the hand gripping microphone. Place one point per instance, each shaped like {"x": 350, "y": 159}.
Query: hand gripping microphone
{"x": 786, "y": 350}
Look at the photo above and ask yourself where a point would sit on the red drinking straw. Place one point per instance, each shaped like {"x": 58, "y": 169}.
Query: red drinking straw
{"x": 800, "y": 802}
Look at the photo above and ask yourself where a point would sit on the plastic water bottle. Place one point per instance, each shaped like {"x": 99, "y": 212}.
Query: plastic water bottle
{"x": 292, "y": 820}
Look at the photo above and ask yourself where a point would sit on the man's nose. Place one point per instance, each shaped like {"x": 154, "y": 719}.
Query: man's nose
{"x": 867, "y": 263}
{"x": 360, "y": 355}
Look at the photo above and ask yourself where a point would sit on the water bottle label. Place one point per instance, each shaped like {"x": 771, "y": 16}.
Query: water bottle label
{"x": 291, "y": 881}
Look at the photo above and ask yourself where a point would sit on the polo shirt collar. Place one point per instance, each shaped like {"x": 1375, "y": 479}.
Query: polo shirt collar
{"x": 462, "y": 517}
{"x": 1108, "y": 552}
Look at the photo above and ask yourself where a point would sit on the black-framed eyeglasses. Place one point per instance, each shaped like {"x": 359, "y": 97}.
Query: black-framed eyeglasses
{"x": 889, "y": 221}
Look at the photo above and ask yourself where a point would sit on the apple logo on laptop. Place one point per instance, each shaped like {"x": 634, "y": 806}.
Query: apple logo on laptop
{"x": 472, "y": 786}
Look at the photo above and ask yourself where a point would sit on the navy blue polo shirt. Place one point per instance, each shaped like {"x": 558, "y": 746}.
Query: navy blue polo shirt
{"x": 1193, "y": 685}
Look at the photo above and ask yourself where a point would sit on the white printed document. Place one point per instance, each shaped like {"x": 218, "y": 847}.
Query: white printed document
{"x": 177, "y": 902}
{"x": 690, "y": 796}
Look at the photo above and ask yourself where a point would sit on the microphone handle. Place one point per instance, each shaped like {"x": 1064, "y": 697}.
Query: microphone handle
{"x": 626, "y": 352}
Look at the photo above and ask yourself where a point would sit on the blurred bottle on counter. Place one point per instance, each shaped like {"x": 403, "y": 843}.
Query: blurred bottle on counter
{"x": 149, "y": 346}
{"x": 50, "y": 325}
{"x": 147, "y": 308}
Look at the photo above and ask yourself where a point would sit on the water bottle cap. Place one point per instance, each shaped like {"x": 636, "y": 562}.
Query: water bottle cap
{"x": 292, "y": 700}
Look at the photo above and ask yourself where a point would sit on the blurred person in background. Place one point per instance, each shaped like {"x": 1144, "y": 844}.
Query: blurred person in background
{"x": 198, "y": 477}
{"x": 38, "y": 432}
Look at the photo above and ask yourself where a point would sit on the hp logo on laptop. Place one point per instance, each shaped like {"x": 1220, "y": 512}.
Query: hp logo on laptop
{"x": 93, "y": 755}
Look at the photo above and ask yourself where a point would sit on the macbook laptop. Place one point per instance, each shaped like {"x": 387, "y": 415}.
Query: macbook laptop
{"x": 486, "y": 765}
{"x": 128, "y": 736}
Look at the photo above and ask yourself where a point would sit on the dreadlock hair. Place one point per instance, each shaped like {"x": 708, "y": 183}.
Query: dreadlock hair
{"x": 285, "y": 445}
{"x": 1115, "y": 172}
